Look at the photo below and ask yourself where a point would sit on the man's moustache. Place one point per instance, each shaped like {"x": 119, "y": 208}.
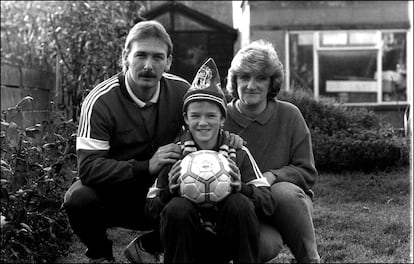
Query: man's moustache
{"x": 147, "y": 74}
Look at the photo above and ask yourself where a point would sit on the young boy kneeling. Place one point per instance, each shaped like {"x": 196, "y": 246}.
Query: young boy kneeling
{"x": 229, "y": 230}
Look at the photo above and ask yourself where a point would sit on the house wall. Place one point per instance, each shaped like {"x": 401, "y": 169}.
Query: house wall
{"x": 271, "y": 15}
{"x": 271, "y": 20}
{"x": 266, "y": 18}
{"x": 277, "y": 37}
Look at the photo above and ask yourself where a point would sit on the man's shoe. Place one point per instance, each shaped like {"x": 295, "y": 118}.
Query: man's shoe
{"x": 136, "y": 253}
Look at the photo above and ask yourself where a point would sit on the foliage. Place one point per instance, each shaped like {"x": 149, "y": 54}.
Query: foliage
{"x": 38, "y": 165}
{"x": 347, "y": 139}
{"x": 23, "y": 35}
{"x": 86, "y": 37}
{"x": 360, "y": 149}
{"x": 329, "y": 117}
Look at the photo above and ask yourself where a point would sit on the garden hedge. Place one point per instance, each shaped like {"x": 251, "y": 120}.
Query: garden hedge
{"x": 349, "y": 138}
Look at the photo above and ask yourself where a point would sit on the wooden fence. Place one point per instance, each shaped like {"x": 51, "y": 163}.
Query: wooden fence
{"x": 18, "y": 82}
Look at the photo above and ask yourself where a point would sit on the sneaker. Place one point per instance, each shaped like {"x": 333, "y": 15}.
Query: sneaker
{"x": 136, "y": 253}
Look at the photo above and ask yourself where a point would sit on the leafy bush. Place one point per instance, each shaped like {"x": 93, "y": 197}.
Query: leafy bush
{"x": 82, "y": 40}
{"x": 38, "y": 165}
{"x": 346, "y": 138}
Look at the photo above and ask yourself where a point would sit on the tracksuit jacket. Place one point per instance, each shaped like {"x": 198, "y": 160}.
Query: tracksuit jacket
{"x": 113, "y": 142}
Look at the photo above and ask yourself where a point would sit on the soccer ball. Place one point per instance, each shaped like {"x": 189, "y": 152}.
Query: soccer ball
{"x": 204, "y": 177}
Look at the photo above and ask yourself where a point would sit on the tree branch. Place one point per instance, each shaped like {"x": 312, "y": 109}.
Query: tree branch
{"x": 59, "y": 48}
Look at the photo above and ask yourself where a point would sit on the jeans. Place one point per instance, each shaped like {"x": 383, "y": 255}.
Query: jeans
{"x": 291, "y": 224}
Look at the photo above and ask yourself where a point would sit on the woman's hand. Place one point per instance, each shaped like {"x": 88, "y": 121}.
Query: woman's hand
{"x": 235, "y": 175}
{"x": 173, "y": 184}
{"x": 235, "y": 140}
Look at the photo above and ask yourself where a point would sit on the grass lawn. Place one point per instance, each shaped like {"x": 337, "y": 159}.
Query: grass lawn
{"x": 358, "y": 218}
{"x": 364, "y": 218}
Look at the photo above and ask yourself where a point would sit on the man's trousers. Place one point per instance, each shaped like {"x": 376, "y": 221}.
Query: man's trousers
{"x": 91, "y": 212}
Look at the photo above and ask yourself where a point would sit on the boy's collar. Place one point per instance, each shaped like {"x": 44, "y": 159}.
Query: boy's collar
{"x": 188, "y": 141}
{"x": 189, "y": 145}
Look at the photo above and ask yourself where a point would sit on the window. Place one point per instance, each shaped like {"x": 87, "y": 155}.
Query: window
{"x": 394, "y": 82}
{"x": 362, "y": 66}
{"x": 348, "y": 39}
{"x": 348, "y": 75}
{"x": 301, "y": 60}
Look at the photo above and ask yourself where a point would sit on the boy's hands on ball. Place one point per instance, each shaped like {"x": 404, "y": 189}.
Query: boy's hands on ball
{"x": 173, "y": 184}
{"x": 235, "y": 175}
{"x": 174, "y": 174}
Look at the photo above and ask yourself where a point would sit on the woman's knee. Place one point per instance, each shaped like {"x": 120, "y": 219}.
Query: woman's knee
{"x": 286, "y": 192}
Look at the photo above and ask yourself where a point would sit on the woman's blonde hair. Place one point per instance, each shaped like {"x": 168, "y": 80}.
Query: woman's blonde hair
{"x": 258, "y": 58}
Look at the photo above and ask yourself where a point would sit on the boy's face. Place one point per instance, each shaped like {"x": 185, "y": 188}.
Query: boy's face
{"x": 204, "y": 120}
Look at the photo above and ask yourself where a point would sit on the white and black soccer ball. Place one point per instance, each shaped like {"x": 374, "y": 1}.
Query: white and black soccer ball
{"x": 204, "y": 177}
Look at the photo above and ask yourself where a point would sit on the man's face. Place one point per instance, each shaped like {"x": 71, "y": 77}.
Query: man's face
{"x": 147, "y": 61}
{"x": 252, "y": 89}
{"x": 204, "y": 120}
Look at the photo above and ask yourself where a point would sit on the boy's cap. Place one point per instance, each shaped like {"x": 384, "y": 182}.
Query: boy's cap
{"x": 206, "y": 86}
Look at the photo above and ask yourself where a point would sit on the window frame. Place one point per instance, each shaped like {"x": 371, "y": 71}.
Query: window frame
{"x": 317, "y": 48}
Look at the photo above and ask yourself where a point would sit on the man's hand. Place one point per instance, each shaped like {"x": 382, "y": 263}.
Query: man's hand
{"x": 173, "y": 175}
{"x": 235, "y": 141}
{"x": 235, "y": 175}
{"x": 167, "y": 154}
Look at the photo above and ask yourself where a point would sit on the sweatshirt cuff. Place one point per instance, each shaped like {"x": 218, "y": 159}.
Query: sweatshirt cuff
{"x": 247, "y": 190}
{"x": 140, "y": 167}
{"x": 165, "y": 196}
{"x": 279, "y": 174}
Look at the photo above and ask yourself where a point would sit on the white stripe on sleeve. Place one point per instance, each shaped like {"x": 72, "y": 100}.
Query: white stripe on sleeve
{"x": 153, "y": 191}
{"x": 91, "y": 144}
{"x": 87, "y": 106}
{"x": 256, "y": 169}
{"x": 262, "y": 182}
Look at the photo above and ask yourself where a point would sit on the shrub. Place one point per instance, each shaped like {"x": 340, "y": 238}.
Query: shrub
{"x": 329, "y": 117}
{"x": 82, "y": 40}
{"x": 349, "y": 139}
{"x": 37, "y": 166}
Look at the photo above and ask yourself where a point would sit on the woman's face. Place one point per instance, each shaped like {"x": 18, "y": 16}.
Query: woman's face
{"x": 252, "y": 89}
{"x": 204, "y": 120}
